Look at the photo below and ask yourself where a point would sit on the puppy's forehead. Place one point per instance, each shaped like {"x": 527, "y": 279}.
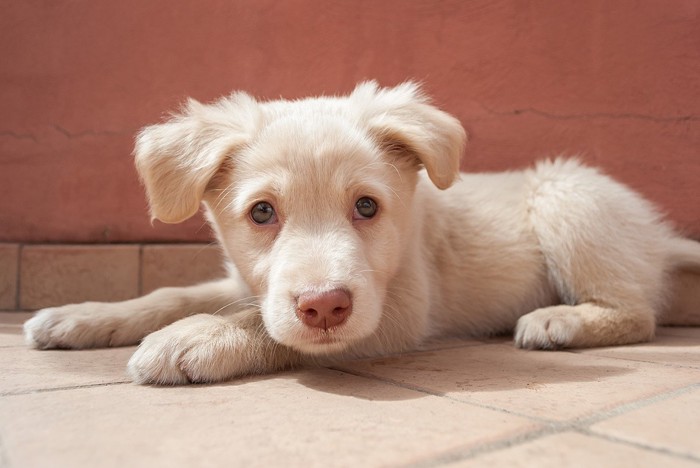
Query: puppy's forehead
{"x": 302, "y": 155}
{"x": 310, "y": 144}
{"x": 313, "y": 132}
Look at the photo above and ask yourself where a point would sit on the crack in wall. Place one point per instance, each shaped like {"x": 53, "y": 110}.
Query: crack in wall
{"x": 70, "y": 135}
{"x": 66, "y": 133}
{"x": 507, "y": 113}
{"x": 19, "y": 136}
{"x": 591, "y": 116}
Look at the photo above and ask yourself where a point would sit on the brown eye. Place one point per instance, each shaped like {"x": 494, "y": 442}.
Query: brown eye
{"x": 365, "y": 208}
{"x": 263, "y": 213}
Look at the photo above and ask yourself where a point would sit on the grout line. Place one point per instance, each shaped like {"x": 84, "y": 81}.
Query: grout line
{"x": 139, "y": 286}
{"x": 483, "y": 448}
{"x": 593, "y": 352}
{"x": 634, "y": 405}
{"x": 426, "y": 391}
{"x": 581, "y": 426}
{"x": 18, "y": 273}
{"x": 59, "y": 389}
{"x": 664, "y": 364}
{"x": 651, "y": 448}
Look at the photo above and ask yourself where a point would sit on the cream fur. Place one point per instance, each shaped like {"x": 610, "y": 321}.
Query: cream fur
{"x": 560, "y": 254}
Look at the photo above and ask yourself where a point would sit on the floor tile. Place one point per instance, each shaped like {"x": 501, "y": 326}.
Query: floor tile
{"x": 665, "y": 349}
{"x": 27, "y": 370}
{"x": 56, "y": 275}
{"x": 11, "y": 333}
{"x": 433, "y": 344}
{"x": 306, "y": 418}
{"x": 16, "y": 318}
{"x": 180, "y": 265}
{"x": 9, "y": 260}
{"x": 672, "y": 424}
{"x": 548, "y": 385}
{"x": 688, "y": 332}
{"x": 11, "y": 336}
{"x": 573, "y": 450}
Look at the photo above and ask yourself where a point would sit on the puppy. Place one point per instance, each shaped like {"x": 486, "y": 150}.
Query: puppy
{"x": 350, "y": 232}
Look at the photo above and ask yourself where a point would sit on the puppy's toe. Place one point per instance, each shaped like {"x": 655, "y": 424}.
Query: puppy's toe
{"x": 60, "y": 327}
{"x": 199, "y": 349}
{"x": 155, "y": 361}
{"x": 548, "y": 328}
{"x": 78, "y": 326}
{"x": 37, "y": 330}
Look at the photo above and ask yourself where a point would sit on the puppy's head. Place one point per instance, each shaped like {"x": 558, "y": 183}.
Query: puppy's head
{"x": 312, "y": 199}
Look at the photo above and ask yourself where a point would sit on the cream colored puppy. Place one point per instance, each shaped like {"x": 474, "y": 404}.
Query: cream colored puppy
{"x": 342, "y": 246}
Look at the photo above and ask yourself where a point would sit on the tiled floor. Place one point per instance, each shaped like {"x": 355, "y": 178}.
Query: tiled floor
{"x": 454, "y": 403}
{"x": 457, "y": 402}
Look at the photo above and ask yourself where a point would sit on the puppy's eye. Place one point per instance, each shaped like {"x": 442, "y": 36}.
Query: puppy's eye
{"x": 365, "y": 208}
{"x": 263, "y": 213}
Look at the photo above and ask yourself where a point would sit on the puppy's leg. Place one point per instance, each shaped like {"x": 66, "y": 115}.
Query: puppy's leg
{"x": 95, "y": 324}
{"x": 209, "y": 348}
{"x": 583, "y": 325}
{"x": 604, "y": 247}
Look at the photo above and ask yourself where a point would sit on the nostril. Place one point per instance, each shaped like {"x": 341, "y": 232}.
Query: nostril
{"x": 324, "y": 309}
{"x": 311, "y": 313}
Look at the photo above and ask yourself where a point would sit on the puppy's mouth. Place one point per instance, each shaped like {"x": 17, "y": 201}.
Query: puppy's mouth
{"x": 320, "y": 341}
{"x": 322, "y": 337}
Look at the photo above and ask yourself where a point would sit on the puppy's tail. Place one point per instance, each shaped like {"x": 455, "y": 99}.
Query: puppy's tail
{"x": 684, "y": 306}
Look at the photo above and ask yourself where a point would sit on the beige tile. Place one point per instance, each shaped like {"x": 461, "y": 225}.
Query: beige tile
{"x": 11, "y": 337}
{"x": 307, "y": 418}
{"x": 56, "y": 275}
{"x": 180, "y": 265}
{"x": 502, "y": 339}
{"x": 9, "y": 258}
{"x": 433, "y": 344}
{"x": 14, "y": 318}
{"x": 672, "y": 424}
{"x": 688, "y": 332}
{"x": 26, "y": 370}
{"x": 547, "y": 385}
{"x": 665, "y": 349}
{"x": 11, "y": 328}
{"x": 574, "y": 450}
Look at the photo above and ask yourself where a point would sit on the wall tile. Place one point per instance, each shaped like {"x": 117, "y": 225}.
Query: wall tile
{"x": 180, "y": 265}
{"x": 9, "y": 256}
{"x": 55, "y": 275}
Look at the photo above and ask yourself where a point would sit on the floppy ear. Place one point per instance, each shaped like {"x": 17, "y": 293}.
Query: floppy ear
{"x": 177, "y": 159}
{"x": 402, "y": 118}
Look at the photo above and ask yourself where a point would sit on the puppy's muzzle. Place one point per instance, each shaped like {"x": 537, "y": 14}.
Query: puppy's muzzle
{"x": 325, "y": 309}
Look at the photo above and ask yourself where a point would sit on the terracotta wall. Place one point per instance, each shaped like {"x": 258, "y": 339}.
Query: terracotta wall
{"x": 616, "y": 81}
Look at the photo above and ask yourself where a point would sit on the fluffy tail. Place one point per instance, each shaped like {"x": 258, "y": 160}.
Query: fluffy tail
{"x": 684, "y": 307}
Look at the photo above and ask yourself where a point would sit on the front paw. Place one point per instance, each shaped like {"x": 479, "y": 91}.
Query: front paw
{"x": 201, "y": 348}
{"x": 76, "y": 326}
{"x": 548, "y": 328}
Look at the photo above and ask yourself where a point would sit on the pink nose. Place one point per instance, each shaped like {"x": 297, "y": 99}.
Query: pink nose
{"x": 325, "y": 309}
